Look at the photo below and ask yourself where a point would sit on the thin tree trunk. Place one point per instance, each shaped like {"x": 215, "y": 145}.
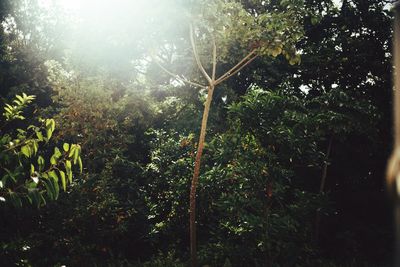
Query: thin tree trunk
{"x": 195, "y": 179}
{"x": 212, "y": 81}
{"x": 322, "y": 188}
{"x": 267, "y": 210}
{"x": 325, "y": 169}
{"x": 392, "y": 171}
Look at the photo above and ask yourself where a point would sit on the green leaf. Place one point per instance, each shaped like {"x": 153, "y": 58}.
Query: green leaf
{"x": 50, "y": 124}
{"x": 69, "y": 174}
{"x": 49, "y": 189}
{"x": 57, "y": 152}
{"x": 68, "y": 165}
{"x": 76, "y": 154}
{"x": 15, "y": 200}
{"x": 63, "y": 180}
{"x": 32, "y": 169}
{"x": 35, "y": 146}
{"x": 26, "y": 151}
{"x": 40, "y": 162}
{"x": 19, "y": 98}
{"x": 56, "y": 189}
{"x": 42, "y": 199}
{"x": 39, "y": 135}
{"x": 49, "y": 133}
{"x": 53, "y": 160}
{"x": 53, "y": 174}
{"x": 66, "y": 147}
{"x": 34, "y": 195}
{"x": 53, "y": 184}
{"x": 72, "y": 150}
{"x": 80, "y": 164}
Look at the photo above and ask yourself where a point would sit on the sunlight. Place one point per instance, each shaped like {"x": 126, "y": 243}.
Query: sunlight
{"x": 65, "y": 4}
{"x": 100, "y": 8}
{"x": 101, "y": 30}
{"x": 337, "y": 3}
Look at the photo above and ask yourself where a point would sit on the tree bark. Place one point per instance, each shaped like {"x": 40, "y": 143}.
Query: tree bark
{"x": 213, "y": 82}
{"x": 195, "y": 179}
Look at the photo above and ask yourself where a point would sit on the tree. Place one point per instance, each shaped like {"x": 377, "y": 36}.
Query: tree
{"x": 249, "y": 35}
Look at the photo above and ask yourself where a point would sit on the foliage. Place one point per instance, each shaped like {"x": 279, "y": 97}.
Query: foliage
{"x": 269, "y": 130}
{"x": 25, "y": 174}
{"x": 247, "y": 204}
{"x": 235, "y": 29}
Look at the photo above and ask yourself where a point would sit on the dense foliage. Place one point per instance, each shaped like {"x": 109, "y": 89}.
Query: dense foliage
{"x": 293, "y": 160}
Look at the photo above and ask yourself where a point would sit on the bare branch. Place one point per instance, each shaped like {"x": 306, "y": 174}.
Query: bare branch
{"x": 214, "y": 63}
{"x": 220, "y": 80}
{"x": 184, "y": 80}
{"x": 196, "y": 56}
{"x": 238, "y": 65}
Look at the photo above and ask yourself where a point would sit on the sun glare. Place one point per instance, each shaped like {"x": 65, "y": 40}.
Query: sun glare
{"x": 65, "y": 4}
{"x": 100, "y": 7}
{"x": 100, "y": 22}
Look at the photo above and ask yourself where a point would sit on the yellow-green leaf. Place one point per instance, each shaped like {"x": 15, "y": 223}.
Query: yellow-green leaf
{"x": 57, "y": 152}
{"x": 69, "y": 174}
{"x": 63, "y": 180}
{"x": 72, "y": 150}
{"x": 35, "y": 146}
{"x": 39, "y": 135}
{"x": 26, "y": 151}
{"x": 80, "y": 164}
{"x": 53, "y": 160}
{"x": 76, "y": 155}
{"x": 68, "y": 165}
{"x": 66, "y": 147}
{"x": 40, "y": 161}
{"x": 53, "y": 175}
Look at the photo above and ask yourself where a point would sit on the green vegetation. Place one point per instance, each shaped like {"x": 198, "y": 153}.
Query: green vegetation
{"x": 104, "y": 159}
{"x": 20, "y": 158}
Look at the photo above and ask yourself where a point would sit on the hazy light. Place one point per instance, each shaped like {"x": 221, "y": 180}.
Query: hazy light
{"x": 66, "y": 4}
{"x": 110, "y": 31}
{"x": 102, "y": 9}
{"x": 337, "y": 3}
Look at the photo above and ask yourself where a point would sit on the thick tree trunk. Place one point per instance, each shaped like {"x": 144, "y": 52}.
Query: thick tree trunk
{"x": 195, "y": 179}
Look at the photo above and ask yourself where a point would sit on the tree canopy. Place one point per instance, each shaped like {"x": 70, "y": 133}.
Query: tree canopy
{"x": 104, "y": 110}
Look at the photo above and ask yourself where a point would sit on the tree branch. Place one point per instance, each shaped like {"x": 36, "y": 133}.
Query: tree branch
{"x": 196, "y": 56}
{"x": 214, "y": 63}
{"x": 222, "y": 78}
{"x": 238, "y": 65}
{"x": 179, "y": 77}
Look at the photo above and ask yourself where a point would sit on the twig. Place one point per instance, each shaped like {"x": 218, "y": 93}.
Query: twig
{"x": 178, "y": 77}
{"x": 219, "y": 80}
{"x": 196, "y": 56}
{"x": 214, "y": 69}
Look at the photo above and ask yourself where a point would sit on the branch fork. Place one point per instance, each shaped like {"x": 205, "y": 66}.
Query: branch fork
{"x": 212, "y": 83}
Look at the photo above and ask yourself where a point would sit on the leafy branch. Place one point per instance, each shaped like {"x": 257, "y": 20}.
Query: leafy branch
{"x": 23, "y": 171}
